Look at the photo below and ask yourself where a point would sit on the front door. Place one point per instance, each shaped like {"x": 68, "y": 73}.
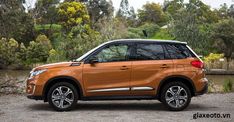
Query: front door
{"x": 110, "y": 75}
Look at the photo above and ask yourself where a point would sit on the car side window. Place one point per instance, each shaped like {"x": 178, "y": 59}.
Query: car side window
{"x": 113, "y": 53}
{"x": 178, "y": 51}
{"x": 149, "y": 52}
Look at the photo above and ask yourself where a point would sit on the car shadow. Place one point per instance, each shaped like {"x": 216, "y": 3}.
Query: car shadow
{"x": 116, "y": 106}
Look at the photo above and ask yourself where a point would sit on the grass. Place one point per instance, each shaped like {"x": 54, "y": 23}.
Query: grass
{"x": 227, "y": 85}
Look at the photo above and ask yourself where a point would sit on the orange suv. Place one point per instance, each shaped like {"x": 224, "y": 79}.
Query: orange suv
{"x": 129, "y": 69}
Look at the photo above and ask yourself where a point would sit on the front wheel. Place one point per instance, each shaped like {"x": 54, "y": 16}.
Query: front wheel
{"x": 175, "y": 96}
{"x": 62, "y": 96}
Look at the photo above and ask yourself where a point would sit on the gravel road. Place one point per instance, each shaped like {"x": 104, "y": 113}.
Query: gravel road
{"x": 17, "y": 108}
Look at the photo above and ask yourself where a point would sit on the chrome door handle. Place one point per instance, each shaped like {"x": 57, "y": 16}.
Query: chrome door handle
{"x": 164, "y": 66}
{"x": 124, "y": 68}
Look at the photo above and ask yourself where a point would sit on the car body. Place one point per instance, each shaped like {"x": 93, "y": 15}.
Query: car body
{"x": 123, "y": 69}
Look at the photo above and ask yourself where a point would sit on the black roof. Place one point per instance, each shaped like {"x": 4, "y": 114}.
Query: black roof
{"x": 148, "y": 40}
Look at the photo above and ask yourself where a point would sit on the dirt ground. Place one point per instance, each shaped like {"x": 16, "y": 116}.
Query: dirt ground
{"x": 17, "y": 108}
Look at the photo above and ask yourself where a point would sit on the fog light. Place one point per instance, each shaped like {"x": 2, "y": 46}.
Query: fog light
{"x": 31, "y": 89}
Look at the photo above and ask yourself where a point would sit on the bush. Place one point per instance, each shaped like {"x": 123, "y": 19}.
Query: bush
{"x": 38, "y": 51}
{"x": 150, "y": 29}
{"x": 163, "y": 34}
{"x": 53, "y": 56}
{"x": 72, "y": 47}
{"x": 213, "y": 57}
{"x": 227, "y": 86}
{"x": 8, "y": 52}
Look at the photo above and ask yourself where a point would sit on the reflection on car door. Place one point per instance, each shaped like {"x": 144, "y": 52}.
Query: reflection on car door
{"x": 149, "y": 67}
{"x": 111, "y": 74}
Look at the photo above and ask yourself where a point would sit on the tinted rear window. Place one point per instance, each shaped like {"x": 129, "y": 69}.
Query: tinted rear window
{"x": 178, "y": 51}
{"x": 149, "y": 52}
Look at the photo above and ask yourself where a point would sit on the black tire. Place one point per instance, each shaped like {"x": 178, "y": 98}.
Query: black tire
{"x": 184, "y": 103}
{"x": 54, "y": 89}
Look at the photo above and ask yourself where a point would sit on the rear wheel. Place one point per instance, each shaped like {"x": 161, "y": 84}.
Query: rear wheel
{"x": 175, "y": 96}
{"x": 62, "y": 96}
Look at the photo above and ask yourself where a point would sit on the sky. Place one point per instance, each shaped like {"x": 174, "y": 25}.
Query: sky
{"x": 137, "y": 4}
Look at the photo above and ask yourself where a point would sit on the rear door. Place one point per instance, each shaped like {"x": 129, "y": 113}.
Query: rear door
{"x": 150, "y": 65}
{"x": 182, "y": 58}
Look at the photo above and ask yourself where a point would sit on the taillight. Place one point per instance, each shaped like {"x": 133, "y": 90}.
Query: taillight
{"x": 197, "y": 63}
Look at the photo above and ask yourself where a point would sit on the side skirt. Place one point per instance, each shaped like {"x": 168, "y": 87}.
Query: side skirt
{"x": 96, "y": 98}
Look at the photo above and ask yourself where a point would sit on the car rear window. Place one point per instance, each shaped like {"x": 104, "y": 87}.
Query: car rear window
{"x": 149, "y": 52}
{"x": 178, "y": 51}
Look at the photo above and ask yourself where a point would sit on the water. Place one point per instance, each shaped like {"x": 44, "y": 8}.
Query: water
{"x": 22, "y": 75}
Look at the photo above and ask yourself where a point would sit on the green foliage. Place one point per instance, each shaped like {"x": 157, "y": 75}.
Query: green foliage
{"x": 172, "y": 7}
{"x": 38, "y": 51}
{"x": 15, "y": 22}
{"x": 190, "y": 26}
{"x": 42, "y": 39}
{"x": 213, "y": 57}
{"x": 73, "y": 47}
{"x": 163, "y": 34}
{"x": 151, "y": 13}
{"x": 126, "y": 14}
{"x": 113, "y": 28}
{"x": 53, "y": 56}
{"x": 45, "y": 11}
{"x": 11, "y": 53}
{"x": 124, "y": 10}
{"x": 7, "y": 51}
{"x": 99, "y": 9}
{"x": 223, "y": 34}
{"x": 150, "y": 29}
{"x": 227, "y": 86}
{"x": 33, "y": 53}
{"x": 54, "y": 27}
{"x": 73, "y": 14}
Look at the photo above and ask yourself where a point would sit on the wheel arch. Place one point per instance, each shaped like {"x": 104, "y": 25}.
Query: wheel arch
{"x": 58, "y": 79}
{"x": 187, "y": 81}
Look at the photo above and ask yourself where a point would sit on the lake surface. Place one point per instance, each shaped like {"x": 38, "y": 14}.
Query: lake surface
{"x": 22, "y": 75}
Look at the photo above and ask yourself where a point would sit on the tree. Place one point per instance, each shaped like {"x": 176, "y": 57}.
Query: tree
{"x": 152, "y": 13}
{"x": 132, "y": 19}
{"x": 73, "y": 14}
{"x": 99, "y": 9}
{"x": 45, "y": 11}
{"x": 124, "y": 10}
{"x": 14, "y": 21}
{"x": 112, "y": 29}
{"x": 224, "y": 36}
{"x": 45, "y": 15}
{"x": 193, "y": 24}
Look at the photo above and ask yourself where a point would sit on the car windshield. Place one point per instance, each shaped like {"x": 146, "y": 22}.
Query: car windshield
{"x": 89, "y": 52}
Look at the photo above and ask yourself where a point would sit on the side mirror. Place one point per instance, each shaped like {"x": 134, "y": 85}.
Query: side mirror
{"x": 93, "y": 60}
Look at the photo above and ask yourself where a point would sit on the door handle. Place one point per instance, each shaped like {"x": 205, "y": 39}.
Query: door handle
{"x": 164, "y": 66}
{"x": 124, "y": 68}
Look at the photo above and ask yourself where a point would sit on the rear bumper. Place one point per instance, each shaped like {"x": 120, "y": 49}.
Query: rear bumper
{"x": 204, "y": 90}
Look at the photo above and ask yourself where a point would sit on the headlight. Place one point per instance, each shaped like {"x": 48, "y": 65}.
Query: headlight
{"x": 35, "y": 73}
